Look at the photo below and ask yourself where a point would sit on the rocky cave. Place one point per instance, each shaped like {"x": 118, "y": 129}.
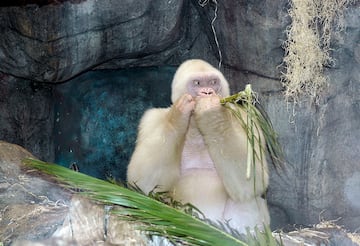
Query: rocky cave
{"x": 76, "y": 76}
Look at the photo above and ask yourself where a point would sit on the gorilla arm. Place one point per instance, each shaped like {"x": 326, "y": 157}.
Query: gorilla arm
{"x": 155, "y": 162}
{"x": 227, "y": 144}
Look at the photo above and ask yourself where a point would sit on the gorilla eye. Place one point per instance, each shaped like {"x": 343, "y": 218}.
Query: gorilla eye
{"x": 196, "y": 82}
{"x": 213, "y": 82}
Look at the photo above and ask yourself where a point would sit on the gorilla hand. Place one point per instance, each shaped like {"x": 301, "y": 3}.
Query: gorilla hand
{"x": 180, "y": 112}
{"x": 207, "y": 103}
{"x": 185, "y": 104}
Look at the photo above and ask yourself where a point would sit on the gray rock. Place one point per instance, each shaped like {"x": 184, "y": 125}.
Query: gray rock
{"x": 56, "y": 42}
{"x": 35, "y": 210}
{"x": 30, "y": 206}
{"x": 322, "y": 144}
{"x": 27, "y": 115}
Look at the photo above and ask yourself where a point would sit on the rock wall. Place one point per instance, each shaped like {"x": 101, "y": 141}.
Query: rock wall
{"x": 27, "y": 115}
{"x": 55, "y": 43}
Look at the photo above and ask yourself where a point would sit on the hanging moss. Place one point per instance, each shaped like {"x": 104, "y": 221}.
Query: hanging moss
{"x": 314, "y": 23}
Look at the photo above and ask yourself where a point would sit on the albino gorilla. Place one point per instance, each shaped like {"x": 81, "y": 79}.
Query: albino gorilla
{"x": 197, "y": 150}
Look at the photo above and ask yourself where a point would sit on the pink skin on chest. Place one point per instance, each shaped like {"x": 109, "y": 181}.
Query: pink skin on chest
{"x": 195, "y": 154}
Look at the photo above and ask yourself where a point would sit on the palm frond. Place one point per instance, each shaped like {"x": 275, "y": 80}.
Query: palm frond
{"x": 256, "y": 118}
{"x": 157, "y": 218}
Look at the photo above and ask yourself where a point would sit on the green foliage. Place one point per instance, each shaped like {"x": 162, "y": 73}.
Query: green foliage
{"x": 255, "y": 123}
{"x": 157, "y": 218}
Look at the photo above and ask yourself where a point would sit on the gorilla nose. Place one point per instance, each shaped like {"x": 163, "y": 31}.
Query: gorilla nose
{"x": 207, "y": 92}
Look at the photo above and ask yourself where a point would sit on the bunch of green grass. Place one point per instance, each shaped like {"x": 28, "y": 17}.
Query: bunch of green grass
{"x": 256, "y": 125}
{"x": 178, "y": 224}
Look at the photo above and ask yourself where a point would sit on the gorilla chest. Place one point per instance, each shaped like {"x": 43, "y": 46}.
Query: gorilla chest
{"x": 195, "y": 154}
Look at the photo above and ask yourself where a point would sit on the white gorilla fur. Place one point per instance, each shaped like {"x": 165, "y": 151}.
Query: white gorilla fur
{"x": 197, "y": 151}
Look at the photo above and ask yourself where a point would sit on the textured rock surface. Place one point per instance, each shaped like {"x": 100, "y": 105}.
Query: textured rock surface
{"x": 30, "y": 207}
{"x": 251, "y": 34}
{"x": 322, "y": 144}
{"x": 26, "y": 115}
{"x": 56, "y": 42}
{"x": 35, "y": 211}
